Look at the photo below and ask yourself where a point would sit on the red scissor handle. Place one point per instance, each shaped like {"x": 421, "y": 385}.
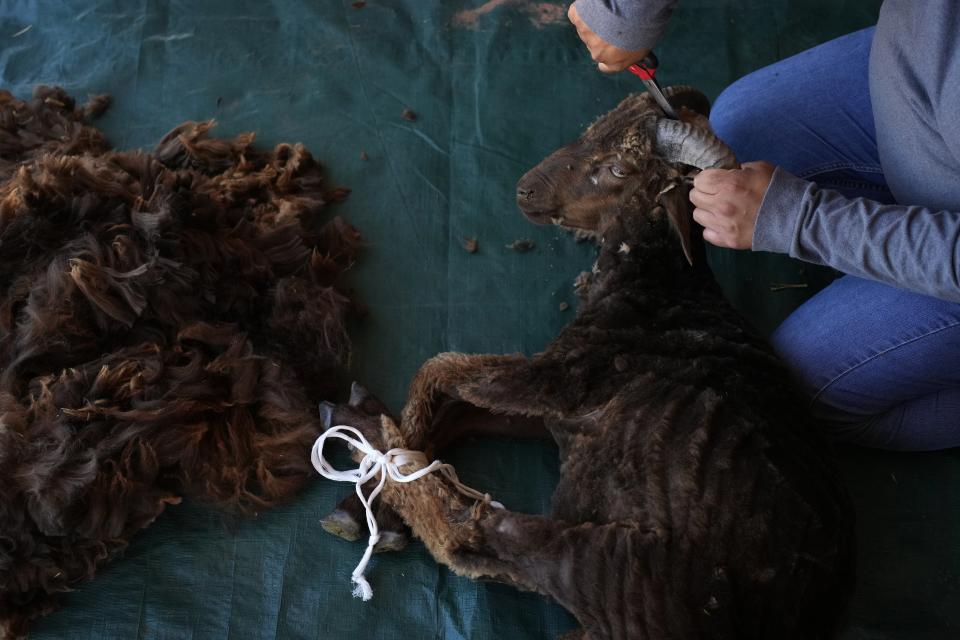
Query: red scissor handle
{"x": 644, "y": 74}
{"x": 646, "y": 69}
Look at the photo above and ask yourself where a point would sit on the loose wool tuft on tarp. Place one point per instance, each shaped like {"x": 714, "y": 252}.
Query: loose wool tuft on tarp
{"x": 167, "y": 322}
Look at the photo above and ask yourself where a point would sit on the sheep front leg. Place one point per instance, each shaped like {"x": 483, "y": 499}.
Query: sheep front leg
{"x": 454, "y": 394}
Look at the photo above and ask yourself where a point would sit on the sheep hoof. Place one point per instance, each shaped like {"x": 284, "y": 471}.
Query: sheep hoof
{"x": 391, "y": 541}
{"x": 326, "y": 410}
{"x": 343, "y": 525}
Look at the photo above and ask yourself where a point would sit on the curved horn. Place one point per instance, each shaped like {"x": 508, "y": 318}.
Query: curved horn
{"x": 684, "y": 95}
{"x": 683, "y": 142}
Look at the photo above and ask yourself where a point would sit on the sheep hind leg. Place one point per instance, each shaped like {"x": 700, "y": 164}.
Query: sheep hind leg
{"x": 601, "y": 573}
{"x": 348, "y": 520}
{"x": 530, "y": 552}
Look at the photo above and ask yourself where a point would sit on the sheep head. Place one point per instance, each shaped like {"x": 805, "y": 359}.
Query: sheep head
{"x": 630, "y": 158}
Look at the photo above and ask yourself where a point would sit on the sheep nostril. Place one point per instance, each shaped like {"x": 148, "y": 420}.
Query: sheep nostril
{"x": 524, "y": 194}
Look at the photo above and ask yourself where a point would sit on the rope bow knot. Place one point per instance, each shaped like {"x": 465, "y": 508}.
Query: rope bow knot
{"x": 386, "y": 465}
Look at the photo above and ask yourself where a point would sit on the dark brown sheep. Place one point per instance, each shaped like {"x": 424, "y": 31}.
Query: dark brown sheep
{"x": 167, "y": 321}
{"x": 697, "y": 499}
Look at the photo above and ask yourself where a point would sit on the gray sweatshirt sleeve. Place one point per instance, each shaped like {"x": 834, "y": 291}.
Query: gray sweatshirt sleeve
{"x": 910, "y": 247}
{"x": 629, "y": 24}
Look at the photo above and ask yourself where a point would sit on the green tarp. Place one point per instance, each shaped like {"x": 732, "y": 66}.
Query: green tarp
{"x": 495, "y": 86}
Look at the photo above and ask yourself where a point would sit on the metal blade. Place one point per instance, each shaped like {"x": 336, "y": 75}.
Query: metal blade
{"x": 654, "y": 88}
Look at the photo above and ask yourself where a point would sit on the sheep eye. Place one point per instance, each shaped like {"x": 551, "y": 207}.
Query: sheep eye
{"x": 618, "y": 171}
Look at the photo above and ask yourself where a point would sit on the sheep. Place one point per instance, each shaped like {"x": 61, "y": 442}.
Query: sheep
{"x": 167, "y": 322}
{"x": 697, "y": 499}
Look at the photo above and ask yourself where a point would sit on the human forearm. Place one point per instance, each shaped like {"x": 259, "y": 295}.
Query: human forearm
{"x": 910, "y": 247}
{"x": 634, "y": 25}
{"x": 619, "y": 33}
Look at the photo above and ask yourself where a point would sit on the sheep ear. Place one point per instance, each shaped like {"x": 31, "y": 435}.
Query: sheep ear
{"x": 676, "y": 204}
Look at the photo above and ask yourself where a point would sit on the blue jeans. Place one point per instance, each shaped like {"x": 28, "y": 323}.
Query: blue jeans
{"x": 881, "y": 365}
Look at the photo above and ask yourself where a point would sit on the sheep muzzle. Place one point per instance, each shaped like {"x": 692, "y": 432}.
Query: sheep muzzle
{"x": 537, "y": 194}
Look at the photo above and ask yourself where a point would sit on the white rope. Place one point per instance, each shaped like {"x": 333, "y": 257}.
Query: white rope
{"x": 387, "y": 465}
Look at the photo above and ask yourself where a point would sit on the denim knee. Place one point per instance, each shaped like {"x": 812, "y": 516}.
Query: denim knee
{"x": 878, "y": 363}
{"x": 796, "y": 113}
{"x": 735, "y": 119}
{"x": 802, "y": 351}
{"x": 793, "y": 344}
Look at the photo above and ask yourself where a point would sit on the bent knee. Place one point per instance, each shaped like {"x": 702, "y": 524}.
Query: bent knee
{"x": 736, "y": 118}
{"x": 799, "y": 350}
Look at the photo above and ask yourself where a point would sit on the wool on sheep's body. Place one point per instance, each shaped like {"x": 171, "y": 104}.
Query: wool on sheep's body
{"x": 167, "y": 321}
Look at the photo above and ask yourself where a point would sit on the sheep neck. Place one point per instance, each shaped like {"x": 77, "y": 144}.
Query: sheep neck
{"x": 639, "y": 250}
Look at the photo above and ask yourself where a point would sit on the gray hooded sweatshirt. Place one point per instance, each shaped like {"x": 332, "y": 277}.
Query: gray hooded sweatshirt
{"x": 915, "y": 92}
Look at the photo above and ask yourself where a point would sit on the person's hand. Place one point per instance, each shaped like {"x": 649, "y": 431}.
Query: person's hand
{"x": 609, "y": 58}
{"x": 727, "y": 202}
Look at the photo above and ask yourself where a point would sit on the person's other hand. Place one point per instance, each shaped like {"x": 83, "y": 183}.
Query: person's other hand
{"x": 727, "y": 202}
{"x": 609, "y": 58}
